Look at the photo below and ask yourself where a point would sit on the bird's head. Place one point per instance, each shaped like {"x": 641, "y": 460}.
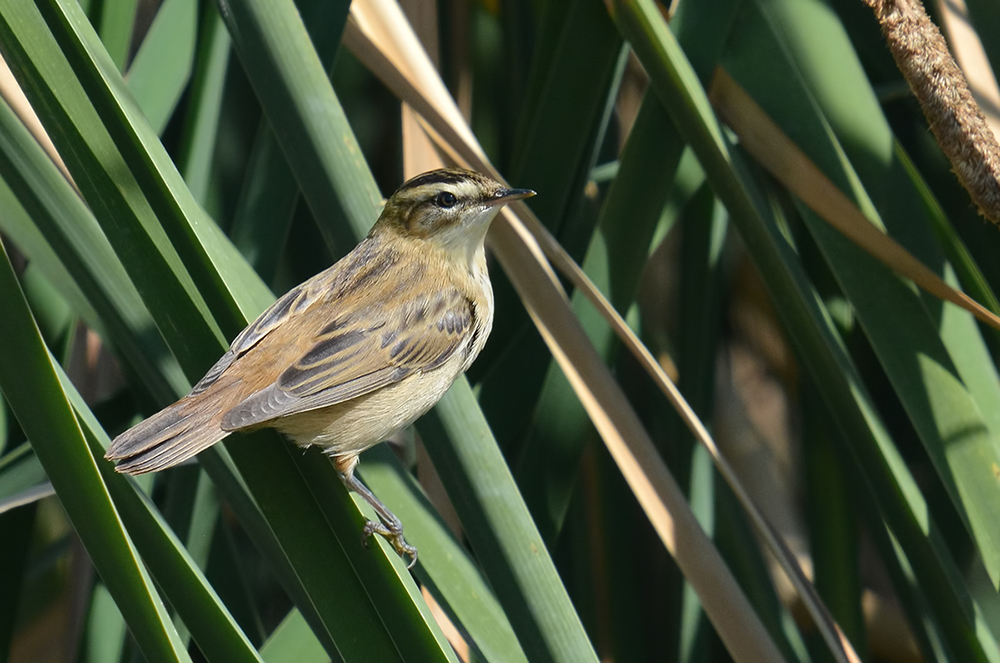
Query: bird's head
{"x": 451, "y": 208}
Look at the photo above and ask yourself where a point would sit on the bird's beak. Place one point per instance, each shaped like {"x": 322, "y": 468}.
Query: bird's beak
{"x": 504, "y": 196}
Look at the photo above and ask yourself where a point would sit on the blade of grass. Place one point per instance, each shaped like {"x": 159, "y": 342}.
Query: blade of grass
{"x": 889, "y": 311}
{"x": 214, "y": 630}
{"x": 583, "y": 64}
{"x": 579, "y": 66}
{"x": 106, "y": 629}
{"x": 191, "y": 509}
{"x": 230, "y": 578}
{"x": 954, "y": 248}
{"x": 765, "y": 141}
{"x": 201, "y": 122}
{"x": 620, "y": 247}
{"x": 53, "y": 226}
{"x": 293, "y": 642}
{"x": 271, "y": 191}
{"x": 394, "y": 594}
{"x": 162, "y": 66}
{"x": 446, "y": 569}
{"x": 115, "y": 25}
{"x": 270, "y": 195}
{"x": 296, "y": 95}
{"x": 27, "y": 376}
{"x": 614, "y": 263}
{"x": 513, "y": 556}
{"x": 198, "y": 242}
{"x": 184, "y": 586}
{"x": 266, "y": 205}
{"x": 832, "y": 530}
{"x": 52, "y": 312}
{"x": 19, "y": 471}
{"x": 128, "y": 220}
{"x": 703, "y": 228}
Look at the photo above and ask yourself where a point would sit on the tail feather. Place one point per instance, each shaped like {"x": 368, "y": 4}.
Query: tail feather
{"x": 167, "y": 438}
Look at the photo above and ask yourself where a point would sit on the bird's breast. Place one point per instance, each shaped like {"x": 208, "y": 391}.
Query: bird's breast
{"x": 482, "y": 309}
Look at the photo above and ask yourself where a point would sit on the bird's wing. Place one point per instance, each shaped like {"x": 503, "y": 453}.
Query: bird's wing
{"x": 293, "y": 302}
{"x": 364, "y": 268}
{"x": 360, "y": 352}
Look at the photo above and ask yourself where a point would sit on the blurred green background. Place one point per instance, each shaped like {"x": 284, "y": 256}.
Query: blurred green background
{"x": 212, "y": 166}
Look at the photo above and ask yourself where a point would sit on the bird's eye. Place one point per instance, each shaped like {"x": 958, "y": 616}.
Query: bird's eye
{"x": 445, "y": 199}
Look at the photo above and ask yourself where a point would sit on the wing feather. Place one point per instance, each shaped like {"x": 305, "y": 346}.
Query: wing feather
{"x": 360, "y": 353}
{"x": 363, "y": 267}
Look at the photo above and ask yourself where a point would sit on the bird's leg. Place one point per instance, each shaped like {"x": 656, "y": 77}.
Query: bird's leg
{"x": 390, "y": 528}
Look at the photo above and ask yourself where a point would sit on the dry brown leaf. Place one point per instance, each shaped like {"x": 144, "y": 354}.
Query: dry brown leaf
{"x": 769, "y": 145}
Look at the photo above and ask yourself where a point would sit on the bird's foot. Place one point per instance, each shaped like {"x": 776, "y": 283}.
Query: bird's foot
{"x": 389, "y": 528}
{"x": 394, "y": 535}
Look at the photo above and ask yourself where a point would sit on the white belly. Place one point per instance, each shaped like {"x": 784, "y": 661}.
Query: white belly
{"x": 349, "y": 428}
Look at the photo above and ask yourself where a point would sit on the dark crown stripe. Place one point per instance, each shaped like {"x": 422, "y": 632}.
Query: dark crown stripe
{"x": 436, "y": 177}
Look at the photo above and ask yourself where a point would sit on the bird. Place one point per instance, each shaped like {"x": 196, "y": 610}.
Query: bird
{"x": 358, "y": 352}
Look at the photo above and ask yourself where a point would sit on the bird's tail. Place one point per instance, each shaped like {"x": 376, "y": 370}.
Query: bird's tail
{"x": 170, "y": 436}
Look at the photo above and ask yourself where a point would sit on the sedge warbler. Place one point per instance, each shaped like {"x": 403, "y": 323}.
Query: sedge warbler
{"x": 357, "y": 352}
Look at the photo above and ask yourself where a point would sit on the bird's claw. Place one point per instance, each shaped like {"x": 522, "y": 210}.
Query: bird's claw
{"x": 395, "y": 538}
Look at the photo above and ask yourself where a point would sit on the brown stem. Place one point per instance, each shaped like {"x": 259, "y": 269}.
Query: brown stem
{"x": 954, "y": 117}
